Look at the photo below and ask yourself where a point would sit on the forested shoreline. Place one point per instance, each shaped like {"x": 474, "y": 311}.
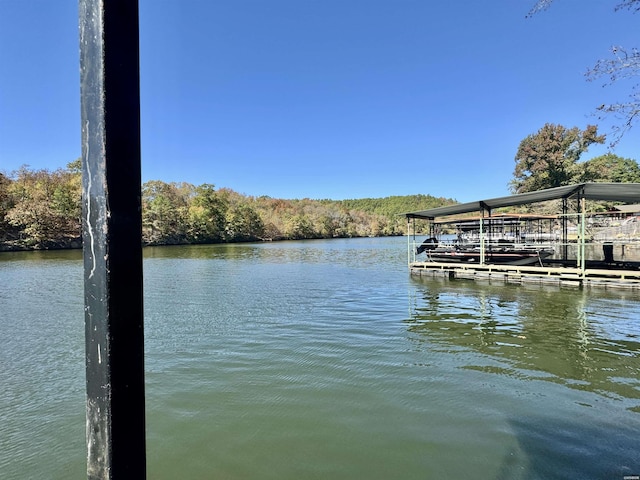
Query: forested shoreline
{"x": 41, "y": 209}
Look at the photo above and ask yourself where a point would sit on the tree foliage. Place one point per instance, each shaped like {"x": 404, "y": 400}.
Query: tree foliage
{"x": 549, "y": 158}
{"x": 5, "y": 204}
{"x": 611, "y": 168}
{"x": 165, "y": 211}
{"x": 44, "y": 206}
{"x": 41, "y": 209}
{"x": 624, "y": 63}
{"x": 207, "y": 213}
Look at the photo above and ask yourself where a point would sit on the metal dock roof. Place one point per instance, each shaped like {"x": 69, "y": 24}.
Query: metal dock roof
{"x": 619, "y": 192}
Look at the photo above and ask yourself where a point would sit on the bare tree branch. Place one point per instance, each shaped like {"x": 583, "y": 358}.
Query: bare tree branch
{"x": 626, "y": 114}
{"x": 540, "y": 6}
{"x": 625, "y": 64}
{"x": 633, "y": 5}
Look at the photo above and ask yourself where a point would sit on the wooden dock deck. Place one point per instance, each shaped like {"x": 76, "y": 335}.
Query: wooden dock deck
{"x": 553, "y": 275}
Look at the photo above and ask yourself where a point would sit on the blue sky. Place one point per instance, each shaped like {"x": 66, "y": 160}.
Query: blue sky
{"x": 323, "y": 98}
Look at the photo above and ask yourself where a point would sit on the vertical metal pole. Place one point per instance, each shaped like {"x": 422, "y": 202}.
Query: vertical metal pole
{"x": 110, "y": 104}
{"x": 565, "y": 231}
{"x": 409, "y": 240}
{"x": 481, "y": 238}
{"x": 583, "y": 233}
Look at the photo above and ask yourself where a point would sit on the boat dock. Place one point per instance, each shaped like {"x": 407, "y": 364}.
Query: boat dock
{"x": 496, "y": 246}
{"x": 545, "y": 275}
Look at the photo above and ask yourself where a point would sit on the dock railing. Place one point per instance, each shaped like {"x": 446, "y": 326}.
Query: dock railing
{"x": 581, "y": 245}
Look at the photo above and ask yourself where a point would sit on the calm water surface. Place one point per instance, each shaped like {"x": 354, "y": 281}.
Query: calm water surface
{"x": 325, "y": 360}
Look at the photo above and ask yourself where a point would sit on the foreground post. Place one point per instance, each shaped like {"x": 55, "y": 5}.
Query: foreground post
{"x": 110, "y": 103}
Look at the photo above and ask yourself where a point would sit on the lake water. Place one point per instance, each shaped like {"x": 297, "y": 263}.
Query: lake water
{"x": 327, "y": 360}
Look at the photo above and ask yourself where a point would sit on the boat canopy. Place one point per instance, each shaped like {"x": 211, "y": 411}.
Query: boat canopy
{"x": 617, "y": 192}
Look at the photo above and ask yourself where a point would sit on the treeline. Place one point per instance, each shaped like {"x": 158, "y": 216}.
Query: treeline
{"x": 42, "y": 209}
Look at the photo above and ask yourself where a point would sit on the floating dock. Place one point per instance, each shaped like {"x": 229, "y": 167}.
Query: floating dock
{"x": 589, "y": 250}
{"x": 561, "y": 276}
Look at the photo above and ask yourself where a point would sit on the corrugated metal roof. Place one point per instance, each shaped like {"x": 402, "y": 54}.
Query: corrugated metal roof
{"x": 618, "y": 192}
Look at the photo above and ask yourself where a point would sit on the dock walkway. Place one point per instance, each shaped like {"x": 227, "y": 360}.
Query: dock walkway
{"x": 563, "y": 276}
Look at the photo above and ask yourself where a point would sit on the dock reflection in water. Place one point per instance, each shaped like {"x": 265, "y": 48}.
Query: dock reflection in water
{"x": 536, "y": 341}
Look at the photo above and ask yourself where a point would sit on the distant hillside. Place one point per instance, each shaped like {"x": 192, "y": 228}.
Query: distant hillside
{"x": 394, "y": 205}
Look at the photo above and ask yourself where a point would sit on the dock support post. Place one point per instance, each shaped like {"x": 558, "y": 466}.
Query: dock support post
{"x": 583, "y": 233}
{"x": 111, "y": 210}
{"x": 409, "y": 239}
{"x": 565, "y": 231}
{"x": 482, "y": 242}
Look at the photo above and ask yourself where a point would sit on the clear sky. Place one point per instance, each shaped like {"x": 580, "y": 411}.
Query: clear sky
{"x": 323, "y": 98}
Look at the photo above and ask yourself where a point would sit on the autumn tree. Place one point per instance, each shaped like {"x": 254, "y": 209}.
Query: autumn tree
{"x": 41, "y": 209}
{"x": 624, "y": 63}
{"x": 45, "y": 205}
{"x": 332, "y": 223}
{"x": 549, "y": 158}
{"x": 299, "y": 226}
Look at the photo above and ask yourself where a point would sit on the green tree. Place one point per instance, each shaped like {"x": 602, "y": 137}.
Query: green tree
{"x": 299, "y": 226}
{"x": 75, "y": 166}
{"x": 207, "y": 215}
{"x": 165, "y": 209}
{"x": 5, "y": 206}
{"x": 243, "y": 223}
{"x": 549, "y": 157}
{"x": 332, "y": 224}
{"x": 611, "y": 168}
{"x": 67, "y": 198}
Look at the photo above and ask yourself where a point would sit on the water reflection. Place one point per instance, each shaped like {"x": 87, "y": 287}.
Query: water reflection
{"x": 352, "y": 252}
{"x": 579, "y": 338}
{"x": 49, "y": 256}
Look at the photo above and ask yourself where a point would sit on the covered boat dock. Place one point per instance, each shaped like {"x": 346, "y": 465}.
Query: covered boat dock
{"x": 589, "y": 248}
